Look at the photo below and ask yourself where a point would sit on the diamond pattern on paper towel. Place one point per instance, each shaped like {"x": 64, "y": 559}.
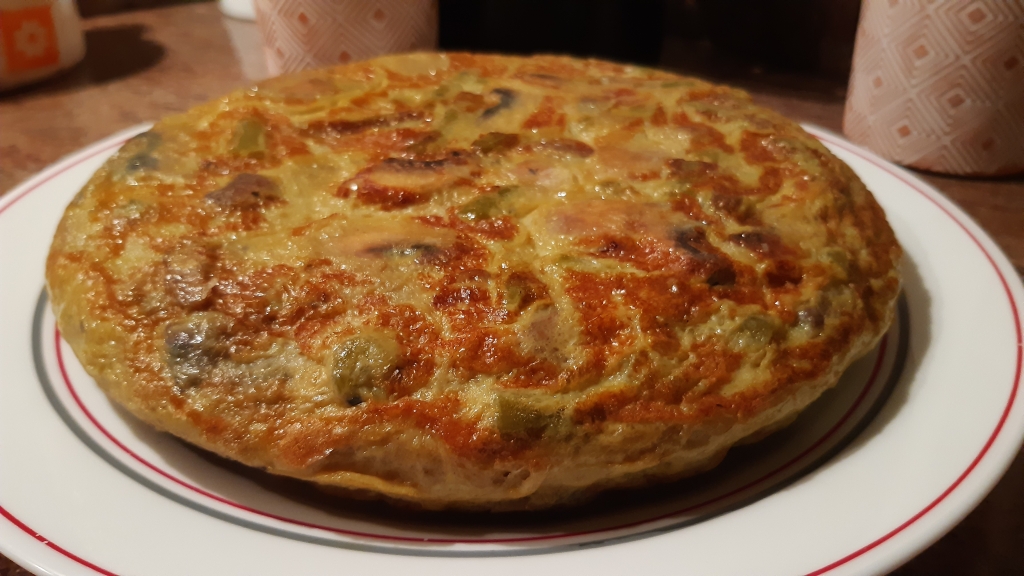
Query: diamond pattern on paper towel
{"x": 940, "y": 85}
{"x": 301, "y": 34}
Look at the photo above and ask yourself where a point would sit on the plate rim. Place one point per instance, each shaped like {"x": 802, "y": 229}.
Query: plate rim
{"x": 998, "y": 260}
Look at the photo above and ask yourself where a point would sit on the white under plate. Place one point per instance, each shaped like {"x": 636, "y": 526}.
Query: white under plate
{"x": 912, "y": 438}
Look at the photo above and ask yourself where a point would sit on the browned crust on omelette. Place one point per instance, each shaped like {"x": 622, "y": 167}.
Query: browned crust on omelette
{"x": 475, "y": 281}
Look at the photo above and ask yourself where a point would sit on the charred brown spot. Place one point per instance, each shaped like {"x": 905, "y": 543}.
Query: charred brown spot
{"x": 409, "y": 164}
{"x": 690, "y": 206}
{"x": 421, "y": 144}
{"x": 719, "y": 269}
{"x": 597, "y": 408}
{"x": 702, "y": 136}
{"x": 473, "y": 275}
{"x": 476, "y": 222}
{"x": 659, "y": 118}
{"x": 346, "y": 127}
{"x": 417, "y": 338}
{"x": 401, "y": 181}
{"x": 547, "y": 115}
{"x": 385, "y": 197}
{"x": 694, "y": 241}
{"x": 694, "y": 175}
{"x": 495, "y": 142}
{"x": 546, "y": 77}
{"x": 567, "y": 146}
{"x": 469, "y": 102}
{"x": 770, "y": 180}
{"x": 731, "y": 205}
{"x": 246, "y": 192}
{"x": 760, "y": 148}
{"x": 690, "y": 169}
{"x": 506, "y": 98}
{"x": 645, "y": 254}
{"x": 723, "y": 275}
{"x": 663, "y": 301}
{"x": 739, "y": 208}
{"x": 717, "y": 95}
{"x": 539, "y": 373}
{"x": 521, "y": 289}
{"x": 455, "y": 295}
{"x": 593, "y": 295}
{"x": 488, "y": 351}
{"x": 783, "y": 272}
{"x": 441, "y": 417}
{"x": 612, "y": 247}
{"x": 759, "y": 241}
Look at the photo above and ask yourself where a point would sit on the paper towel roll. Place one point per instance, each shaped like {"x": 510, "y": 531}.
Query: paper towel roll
{"x": 301, "y": 34}
{"x": 939, "y": 85}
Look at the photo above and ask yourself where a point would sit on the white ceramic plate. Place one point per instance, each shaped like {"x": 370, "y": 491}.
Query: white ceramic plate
{"x": 913, "y": 437}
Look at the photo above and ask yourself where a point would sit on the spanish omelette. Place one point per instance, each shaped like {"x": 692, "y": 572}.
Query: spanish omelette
{"x": 473, "y": 281}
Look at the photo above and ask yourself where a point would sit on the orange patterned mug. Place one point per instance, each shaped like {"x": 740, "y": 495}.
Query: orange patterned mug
{"x": 37, "y": 38}
{"x": 302, "y": 34}
{"x": 939, "y": 86}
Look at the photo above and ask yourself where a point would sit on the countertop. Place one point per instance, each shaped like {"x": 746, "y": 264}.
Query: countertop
{"x": 143, "y": 65}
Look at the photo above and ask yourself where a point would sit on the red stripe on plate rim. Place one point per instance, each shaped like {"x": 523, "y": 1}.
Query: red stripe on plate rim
{"x": 70, "y": 555}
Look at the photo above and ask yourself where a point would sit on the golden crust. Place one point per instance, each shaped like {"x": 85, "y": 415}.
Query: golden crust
{"x": 473, "y": 281}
